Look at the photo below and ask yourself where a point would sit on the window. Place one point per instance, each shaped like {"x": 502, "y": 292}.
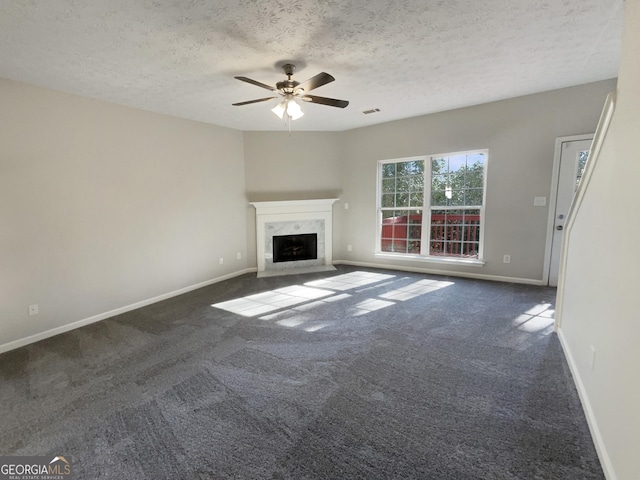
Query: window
{"x": 583, "y": 156}
{"x": 432, "y": 206}
{"x": 402, "y": 205}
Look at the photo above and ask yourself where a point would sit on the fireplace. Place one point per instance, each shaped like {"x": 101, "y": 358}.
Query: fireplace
{"x": 293, "y": 248}
{"x": 306, "y": 226}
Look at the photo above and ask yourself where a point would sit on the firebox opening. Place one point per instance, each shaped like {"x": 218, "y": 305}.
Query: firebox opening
{"x": 291, "y": 248}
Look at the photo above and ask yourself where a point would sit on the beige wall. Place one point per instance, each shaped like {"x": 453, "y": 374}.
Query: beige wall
{"x": 103, "y": 206}
{"x": 520, "y": 134}
{"x": 601, "y": 301}
{"x": 279, "y": 166}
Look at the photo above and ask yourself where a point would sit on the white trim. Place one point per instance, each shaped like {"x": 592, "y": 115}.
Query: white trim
{"x": 596, "y": 436}
{"x": 111, "y": 313}
{"x": 476, "y": 276}
{"x": 596, "y": 146}
{"x": 553, "y": 198}
{"x": 293, "y": 206}
{"x": 594, "y": 154}
{"x": 473, "y": 262}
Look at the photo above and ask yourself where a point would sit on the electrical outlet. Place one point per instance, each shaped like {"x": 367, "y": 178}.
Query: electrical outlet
{"x": 593, "y": 357}
{"x": 540, "y": 201}
{"x": 238, "y": 256}
{"x": 346, "y": 206}
{"x": 221, "y": 260}
{"x": 506, "y": 259}
{"x": 349, "y": 248}
{"x": 33, "y": 309}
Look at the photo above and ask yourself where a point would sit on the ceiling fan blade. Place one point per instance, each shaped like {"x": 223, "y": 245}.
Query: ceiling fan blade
{"x": 252, "y": 101}
{"x": 315, "y": 82}
{"x": 256, "y": 83}
{"x": 332, "y": 102}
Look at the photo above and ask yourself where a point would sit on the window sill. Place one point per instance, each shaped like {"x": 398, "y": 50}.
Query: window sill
{"x": 472, "y": 262}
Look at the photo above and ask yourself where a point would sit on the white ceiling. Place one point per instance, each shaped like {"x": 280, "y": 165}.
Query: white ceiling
{"x": 407, "y": 58}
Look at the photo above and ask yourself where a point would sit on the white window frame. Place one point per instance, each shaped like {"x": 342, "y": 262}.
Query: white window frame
{"x": 425, "y": 241}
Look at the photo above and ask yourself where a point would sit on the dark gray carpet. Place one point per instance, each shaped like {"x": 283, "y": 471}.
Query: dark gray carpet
{"x": 351, "y": 374}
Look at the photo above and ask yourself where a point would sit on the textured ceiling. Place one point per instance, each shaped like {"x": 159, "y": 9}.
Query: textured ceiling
{"x": 407, "y": 58}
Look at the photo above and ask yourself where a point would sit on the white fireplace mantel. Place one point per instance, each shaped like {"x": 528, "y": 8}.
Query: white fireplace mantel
{"x": 300, "y": 215}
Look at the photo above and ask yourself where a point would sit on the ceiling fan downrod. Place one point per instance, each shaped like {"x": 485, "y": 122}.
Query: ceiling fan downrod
{"x": 288, "y": 86}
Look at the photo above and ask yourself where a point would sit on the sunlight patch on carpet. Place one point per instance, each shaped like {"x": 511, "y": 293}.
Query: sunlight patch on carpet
{"x": 350, "y": 280}
{"x": 370, "y": 305}
{"x": 265, "y": 302}
{"x": 415, "y": 289}
{"x": 538, "y": 319}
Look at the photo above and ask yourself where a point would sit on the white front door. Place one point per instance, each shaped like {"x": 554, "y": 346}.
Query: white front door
{"x": 573, "y": 157}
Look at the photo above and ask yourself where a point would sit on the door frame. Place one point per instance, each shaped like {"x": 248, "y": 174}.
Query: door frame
{"x": 553, "y": 198}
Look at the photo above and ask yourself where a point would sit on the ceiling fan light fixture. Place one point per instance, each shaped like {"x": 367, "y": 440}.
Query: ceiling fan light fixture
{"x": 280, "y": 108}
{"x": 294, "y": 110}
{"x": 289, "y": 108}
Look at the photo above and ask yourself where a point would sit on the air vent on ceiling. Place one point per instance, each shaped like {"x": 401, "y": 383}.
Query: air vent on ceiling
{"x": 373, "y": 110}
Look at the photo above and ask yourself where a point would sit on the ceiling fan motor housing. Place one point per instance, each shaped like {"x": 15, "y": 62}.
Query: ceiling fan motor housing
{"x": 287, "y": 86}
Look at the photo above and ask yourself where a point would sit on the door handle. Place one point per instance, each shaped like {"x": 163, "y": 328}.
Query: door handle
{"x": 559, "y": 227}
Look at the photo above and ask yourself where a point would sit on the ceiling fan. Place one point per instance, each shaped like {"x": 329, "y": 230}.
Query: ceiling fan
{"x": 288, "y": 109}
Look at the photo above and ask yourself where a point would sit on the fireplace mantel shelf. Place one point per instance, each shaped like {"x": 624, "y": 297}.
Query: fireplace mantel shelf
{"x": 287, "y": 206}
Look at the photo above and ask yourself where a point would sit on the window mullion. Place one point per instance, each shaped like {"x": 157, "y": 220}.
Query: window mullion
{"x": 425, "y": 238}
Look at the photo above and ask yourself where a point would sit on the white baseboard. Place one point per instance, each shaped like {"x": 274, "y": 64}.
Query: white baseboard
{"x": 479, "y": 276}
{"x": 598, "y": 441}
{"x": 21, "y": 342}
